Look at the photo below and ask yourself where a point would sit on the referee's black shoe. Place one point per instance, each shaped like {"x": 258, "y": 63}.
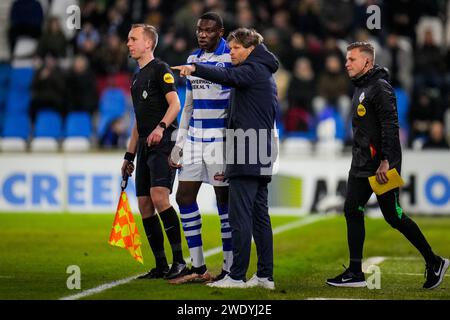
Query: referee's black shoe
{"x": 434, "y": 274}
{"x": 348, "y": 279}
{"x": 178, "y": 269}
{"x": 155, "y": 273}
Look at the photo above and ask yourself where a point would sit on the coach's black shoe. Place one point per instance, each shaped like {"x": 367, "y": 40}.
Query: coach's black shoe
{"x": 348, "y": 279}
{"x": 178, "y": 269}
{"x": 434, "y": 274}
{"x": 155, "y": 273}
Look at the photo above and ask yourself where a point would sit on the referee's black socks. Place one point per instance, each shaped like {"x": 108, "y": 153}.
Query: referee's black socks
{"x": 155, "y": 238}
{"x": 171, "y": 223}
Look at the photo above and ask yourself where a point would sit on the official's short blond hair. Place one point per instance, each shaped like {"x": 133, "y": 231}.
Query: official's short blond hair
{"x": 149, "y": 31}
{"x": 363, "y": 47}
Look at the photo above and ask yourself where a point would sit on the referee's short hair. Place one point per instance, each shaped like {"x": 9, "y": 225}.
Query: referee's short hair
{"x": 246, "y": 37}
{"x": 363, "y": 47}
{"x": 149, "y": 31}
{"x": 214, "y": 17}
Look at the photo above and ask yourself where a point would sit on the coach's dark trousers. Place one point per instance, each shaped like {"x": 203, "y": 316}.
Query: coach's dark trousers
{"x": 249, "y": 215}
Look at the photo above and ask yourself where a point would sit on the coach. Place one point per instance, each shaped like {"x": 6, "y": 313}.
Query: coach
{"x": 250, "y": 151}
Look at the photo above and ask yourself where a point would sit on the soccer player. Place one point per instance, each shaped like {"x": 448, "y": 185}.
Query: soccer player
{"x": 201, "y": 133}
{"x": 376, "y": 149}
{"x": 250, "y": 152}
{"x": 156, "y": 105}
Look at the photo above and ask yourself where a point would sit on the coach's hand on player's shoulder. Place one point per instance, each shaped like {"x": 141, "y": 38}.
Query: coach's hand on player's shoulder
{"x": 127, "y": 168}
{"x": 155, "y": 137}
{"x": 175, "y": 157}
{"x": 381, "y": 173}
{"x": 185, "y": 70}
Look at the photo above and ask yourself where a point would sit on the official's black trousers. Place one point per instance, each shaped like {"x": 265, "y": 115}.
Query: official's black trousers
{"x": 249, "y": 215}
{"x": 358, "y": 193}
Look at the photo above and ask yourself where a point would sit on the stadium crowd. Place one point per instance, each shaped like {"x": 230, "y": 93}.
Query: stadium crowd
{"x": 83, "y": 70}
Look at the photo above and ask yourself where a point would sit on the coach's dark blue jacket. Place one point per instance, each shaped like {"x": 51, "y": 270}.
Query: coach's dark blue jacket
{"x": 253, "y": 105}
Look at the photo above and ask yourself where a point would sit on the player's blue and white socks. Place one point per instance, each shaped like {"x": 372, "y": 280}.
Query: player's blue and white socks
{"x": 225, "y": 230}
{"x": 192, "y": 227}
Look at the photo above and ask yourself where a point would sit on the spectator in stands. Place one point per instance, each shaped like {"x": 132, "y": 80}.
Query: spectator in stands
{"x": 302, "y": 87}
{"x": 423, "y": 111}
{"x": 301, "y": 91}
{"x": 429, "y": 63}
{"x": 53, "y": 41}
{"x": 333, "y": 88}
{"x": 88, "y": 39}
{"x": 306, "y": 17}
{"x": 112, "y": 56}
{"x": 48, "y": 88}
{"x": 436, "y": 138}
{"x": 81, "y": 85}
{"x": 26, "y": 18}
{"x": 400, "y": 61}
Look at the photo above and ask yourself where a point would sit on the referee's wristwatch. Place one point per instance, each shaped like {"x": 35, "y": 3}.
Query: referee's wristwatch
{"x": 163, "y": 125}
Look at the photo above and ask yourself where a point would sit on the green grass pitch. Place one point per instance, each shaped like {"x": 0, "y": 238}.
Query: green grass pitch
{"x": 36, "y": 249}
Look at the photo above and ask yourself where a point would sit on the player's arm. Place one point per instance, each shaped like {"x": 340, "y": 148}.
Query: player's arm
{"x": 127, "y": 165}
{"x": 186, "y": 114}
{"x": 239, "y": 76}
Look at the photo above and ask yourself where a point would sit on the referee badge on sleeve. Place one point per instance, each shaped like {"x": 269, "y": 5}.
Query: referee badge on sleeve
{"x": 168, "y": 78}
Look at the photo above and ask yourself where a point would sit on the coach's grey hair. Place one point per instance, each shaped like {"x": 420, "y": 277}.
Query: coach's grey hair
{"x": 246, "y": 37}
{"x": 149, "y": 31}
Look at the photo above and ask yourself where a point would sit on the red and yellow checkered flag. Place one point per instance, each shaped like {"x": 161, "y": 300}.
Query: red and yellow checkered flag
{"x": 124, "y": 231}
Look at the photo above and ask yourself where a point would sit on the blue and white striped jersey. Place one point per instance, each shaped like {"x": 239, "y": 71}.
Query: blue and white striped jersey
{"x": 209, "y": 100}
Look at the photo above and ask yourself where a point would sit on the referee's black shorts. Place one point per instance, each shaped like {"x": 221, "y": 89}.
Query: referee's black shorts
{"x": 152, "y": 166}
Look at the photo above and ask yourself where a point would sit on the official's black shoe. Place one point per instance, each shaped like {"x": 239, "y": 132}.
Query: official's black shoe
{"x": 348, "y": 279}
{"x": 155, "y": 273}
{"x": 177, "y": 270}
{"x": 434, "y": 274}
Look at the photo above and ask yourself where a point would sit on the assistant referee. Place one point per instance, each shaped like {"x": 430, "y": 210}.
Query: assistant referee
{"x": 156, "y": 105}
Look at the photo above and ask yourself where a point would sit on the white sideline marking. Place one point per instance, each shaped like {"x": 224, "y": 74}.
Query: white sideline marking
{"x": 208, "y": 253}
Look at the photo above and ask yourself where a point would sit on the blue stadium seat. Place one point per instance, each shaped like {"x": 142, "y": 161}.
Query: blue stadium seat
{"x": 21, "y": 78}
{"x": 48, "y": 125}
{"x": 18, "y": 100}
{"x": 16, "y": 126}
{"x": 112, "y": 106}
{"x": 78, "y": 124}
{"x": 16, "y": 130}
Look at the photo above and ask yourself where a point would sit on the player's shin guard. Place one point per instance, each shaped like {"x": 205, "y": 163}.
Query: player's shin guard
{"x": 225, "y": 230}
{"x": 192, "y": 226}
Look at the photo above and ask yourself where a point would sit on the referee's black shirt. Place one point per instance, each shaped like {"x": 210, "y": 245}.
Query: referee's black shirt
{"x": 148, "y": 90}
